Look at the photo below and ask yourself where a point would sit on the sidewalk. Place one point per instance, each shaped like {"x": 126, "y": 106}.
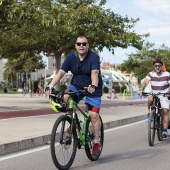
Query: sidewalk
{"x": 25, "y": 132}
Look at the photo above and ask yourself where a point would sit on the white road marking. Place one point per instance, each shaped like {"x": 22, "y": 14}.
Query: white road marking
{"x": 123, "y": 126}
{"x": 24, "y": 153}
{"x": 2, "y": 158}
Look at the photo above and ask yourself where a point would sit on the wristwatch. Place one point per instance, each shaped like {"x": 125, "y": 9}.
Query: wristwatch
{"x": 93, "y": 86}
{"x": 50, "y": 86}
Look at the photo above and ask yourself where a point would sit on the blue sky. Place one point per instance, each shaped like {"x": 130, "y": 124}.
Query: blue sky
{"x": 154, "y": 18}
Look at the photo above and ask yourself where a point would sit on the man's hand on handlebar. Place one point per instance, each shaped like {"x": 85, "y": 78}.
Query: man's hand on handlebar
{"x": 91, "y": 88}
{"x": 49, "y": 89}
{"x": 140, "y": 92}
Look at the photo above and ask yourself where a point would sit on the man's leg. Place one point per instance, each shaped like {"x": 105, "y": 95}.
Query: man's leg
{"x": 150, "y": 100}
{"x": 110, "y": 95}
{"x": 165, "y": 118}
{"x": 94, "y": 108}
{"x": 67, "y": 97}
{"x": 165, "y": 110}
{"x": 96, "y": 124}
{"x": 165, "y": 122}
{"x": 115, "y": 96}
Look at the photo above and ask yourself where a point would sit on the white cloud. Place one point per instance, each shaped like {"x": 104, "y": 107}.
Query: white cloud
{"x": 159, "y": 7}
{"x": 154, "y": 19}
{"x": 160, "y": 31}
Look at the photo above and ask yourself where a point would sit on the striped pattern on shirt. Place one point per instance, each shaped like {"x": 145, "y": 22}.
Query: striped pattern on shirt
{"x": 159, "y": 83}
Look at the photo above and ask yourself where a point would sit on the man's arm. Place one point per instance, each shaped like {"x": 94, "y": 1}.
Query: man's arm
{"x": 143, "y": 85}
{"x": 94, "y": 77}
{"x": 94, "y": 80}
{"x": 57, "y": 78}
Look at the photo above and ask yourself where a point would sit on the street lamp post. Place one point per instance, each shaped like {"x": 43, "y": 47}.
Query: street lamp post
{"x": 130, "y": 85}
{"x": 45, "y": 74}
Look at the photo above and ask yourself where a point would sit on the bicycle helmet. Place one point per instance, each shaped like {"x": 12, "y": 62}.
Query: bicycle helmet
{"x": 157, "y": 60}
{"x": 57, "y": 106}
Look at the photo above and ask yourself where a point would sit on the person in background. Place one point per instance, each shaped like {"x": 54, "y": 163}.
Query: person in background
{"x": 41, "y": 85}
{"x": 113, "y": 92}
{"x": 160, "y": 83}
{"x": 24, "y": 88}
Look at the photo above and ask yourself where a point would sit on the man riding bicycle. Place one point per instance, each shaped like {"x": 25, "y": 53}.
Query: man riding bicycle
{"x": 160, "y": 83}
{"x": 84, "y": 64}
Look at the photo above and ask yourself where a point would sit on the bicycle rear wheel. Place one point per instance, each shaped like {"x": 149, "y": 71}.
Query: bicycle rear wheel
{"x": 151, "y": 128}
{"x": 160, "y": 127}
{"x": 63, "y": 150}
{"x": 89, "y": 137}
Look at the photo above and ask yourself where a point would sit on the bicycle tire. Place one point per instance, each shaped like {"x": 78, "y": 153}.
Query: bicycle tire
{"x": 89, "y": 136}
{"x": 151, "y": 128}
{"x": 159, "y": 128}
{"x": 63, "y": 153}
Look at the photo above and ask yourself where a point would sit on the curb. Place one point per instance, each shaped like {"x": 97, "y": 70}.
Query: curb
{"x": 42, "y": 140}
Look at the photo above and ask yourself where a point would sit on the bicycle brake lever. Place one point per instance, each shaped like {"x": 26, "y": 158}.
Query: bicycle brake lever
{"x": 53, "y": 91}
{"x": 85, "y": 92}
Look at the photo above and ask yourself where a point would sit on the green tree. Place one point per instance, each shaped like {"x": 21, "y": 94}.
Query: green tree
{"x": 140, "y": 63}
{"x": 27, "y": 62}
{"x": 52, "y": 26}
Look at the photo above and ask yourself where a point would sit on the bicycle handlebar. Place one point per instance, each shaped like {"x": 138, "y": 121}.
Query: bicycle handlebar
{"x": 155, "y": 94}
{"x": 70, "y": 92}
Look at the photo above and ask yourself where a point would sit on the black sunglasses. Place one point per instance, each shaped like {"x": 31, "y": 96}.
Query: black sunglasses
{"x": 83, "y": 43}
{"x": 158, "y": 66}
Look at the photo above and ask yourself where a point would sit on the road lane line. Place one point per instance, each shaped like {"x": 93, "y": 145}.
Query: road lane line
{"x": 2, "y": 158}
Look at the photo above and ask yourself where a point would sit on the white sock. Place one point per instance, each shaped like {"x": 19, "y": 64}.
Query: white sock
{"x": 96, "y": 141}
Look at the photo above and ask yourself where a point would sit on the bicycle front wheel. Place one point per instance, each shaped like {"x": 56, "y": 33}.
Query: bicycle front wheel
{"x": 151, "y": 128}
{"x": 160, "y": 127}
{"x": 89, "y": 137}
{"x": 63, "y": 148}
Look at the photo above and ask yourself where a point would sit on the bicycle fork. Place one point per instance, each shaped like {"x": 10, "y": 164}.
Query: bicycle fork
{"x": 156, "y": 116}
{"x": 74, "y": 124}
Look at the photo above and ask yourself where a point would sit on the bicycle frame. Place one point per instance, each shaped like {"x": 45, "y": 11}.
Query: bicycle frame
{"x": 156, "y": 106}
{"x": 81, "y": 132}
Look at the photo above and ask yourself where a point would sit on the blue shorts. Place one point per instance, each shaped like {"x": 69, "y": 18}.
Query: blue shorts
{"x": 95, "y": 102}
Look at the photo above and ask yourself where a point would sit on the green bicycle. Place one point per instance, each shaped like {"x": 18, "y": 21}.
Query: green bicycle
{"x": 67, "y": 134}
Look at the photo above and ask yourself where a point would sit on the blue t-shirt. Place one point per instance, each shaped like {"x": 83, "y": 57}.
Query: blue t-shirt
{"x": 81, "y": 71}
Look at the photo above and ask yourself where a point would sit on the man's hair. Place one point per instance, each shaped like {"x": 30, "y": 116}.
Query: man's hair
{"x": 82, "y": 36}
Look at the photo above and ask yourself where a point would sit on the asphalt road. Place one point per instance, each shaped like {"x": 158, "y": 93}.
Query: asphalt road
{"x": 125, "y": 148}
